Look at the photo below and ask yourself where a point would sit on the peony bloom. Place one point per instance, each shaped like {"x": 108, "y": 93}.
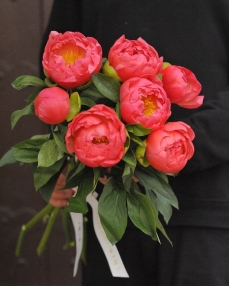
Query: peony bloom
{"x": 169, "y": 148}
{"x": 69, "y": 59}
{"x": 182, "y": 87}
{"x": 52, "y": 105}
{"x": 144, "y": 102}
{"x": 97, "y": 137}
{"x": 133, "y": 58}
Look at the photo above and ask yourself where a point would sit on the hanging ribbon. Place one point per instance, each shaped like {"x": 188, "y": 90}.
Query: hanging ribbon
{"x": 111, "y": 252}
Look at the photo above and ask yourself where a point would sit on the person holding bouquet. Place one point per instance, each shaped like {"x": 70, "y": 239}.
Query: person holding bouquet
{"x": 194, "y": 34}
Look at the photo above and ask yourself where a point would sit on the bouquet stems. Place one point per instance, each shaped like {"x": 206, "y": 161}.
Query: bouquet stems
{"x": 47, "y": 231}
{"x": 26, "y": 227}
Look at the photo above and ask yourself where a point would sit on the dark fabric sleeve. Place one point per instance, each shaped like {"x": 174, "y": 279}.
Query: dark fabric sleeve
{"x": 211, "y": 126}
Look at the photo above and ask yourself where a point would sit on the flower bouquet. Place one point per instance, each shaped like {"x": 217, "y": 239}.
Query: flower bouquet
{"x": 107, "y": 118}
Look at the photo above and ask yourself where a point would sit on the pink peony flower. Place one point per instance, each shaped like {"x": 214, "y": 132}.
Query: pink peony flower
{"x": 52, "y": 105}
{"x": 169, "y": 148}
{"x": 133, "y": 58}
{"x": 144, "y": 102}
{"x": 69, "y": 59}
{"x": 97, "y": 137}
{"x": 182, "y": 87}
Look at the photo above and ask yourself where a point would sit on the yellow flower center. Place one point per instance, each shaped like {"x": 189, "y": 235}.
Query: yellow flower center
{"x": 149, "y": 105}
{"x": 71, "y": 53}
{"x": 102, "y": 139}
{"x": 70, "y": 57}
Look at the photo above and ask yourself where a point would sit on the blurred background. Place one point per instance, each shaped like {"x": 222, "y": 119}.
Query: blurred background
{"x": 22, "y": 25}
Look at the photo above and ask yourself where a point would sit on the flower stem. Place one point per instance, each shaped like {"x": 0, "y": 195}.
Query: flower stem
{"x": 66, "y": 219}
{"x": 47, "y": 231}
{"x": 26, "y": 227}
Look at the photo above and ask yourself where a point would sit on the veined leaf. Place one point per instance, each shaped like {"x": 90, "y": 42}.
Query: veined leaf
{"x": 17, "y": 114}
{"x": 34, "y": 144}
{"x": 113, "y": 210}
{"x": 33, "y": 95}
{"x": 130, "y": 158}
{"x": 59, "y": 143}
{"x": 27, "y": 80}
{"x": 136, "y": 139}
{"x": 137, "y": 129}
{"x": 85, "y": 183}
{"x": 25, "y": 155}
{"x": 107, "y": 85}
{"x": 141, "y": 213}
{"x": 87, "y": 101}
{"x": 47, "y": 189}
{"x": 92, "y": 91}
{"x": 7, "y": 158}
{"x": 42, "y": 175}
{"x": 49, "y": 154}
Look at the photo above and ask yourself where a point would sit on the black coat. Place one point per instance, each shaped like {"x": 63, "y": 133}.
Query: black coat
{"x": 190, "y": 33}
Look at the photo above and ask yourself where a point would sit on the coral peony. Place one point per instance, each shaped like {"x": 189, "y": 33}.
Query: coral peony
{"x": 69, "y": 59}
{"x": 52, "y": 105}
{"x": 97, "y": 137}
{"x": 169, "y": 148}
{"x": 133, "y": 58}
{"x": 143, "y": 102}
{"x": 182, "y": 87}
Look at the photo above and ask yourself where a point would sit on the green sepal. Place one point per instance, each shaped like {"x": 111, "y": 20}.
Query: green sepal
{"x": 75, "y": 105}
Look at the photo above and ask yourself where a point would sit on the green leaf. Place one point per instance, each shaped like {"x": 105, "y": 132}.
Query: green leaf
{"x": 107, "y": 85}
{"x": 87, "y": 101}
{"x": 130, "y": 158}
{"x": 7, "y": 158}
{"x": 49, "y": 154}
{"x": 60, "y": 142}
{"x": 49, "y": 82}
{"x": 85, "y": 183}
{"x": 138, "y": 129}
{"x": 141, "y": 213}
{"x": 17, "y": 114}
{"x": 25, "y": 155}
{"x": 92, "y": 91}
{"x": 27, "y": 80}
{"x": 34, "y": 144}
{"x": 158, "y": 190}
{"x": 75, "y": 105}
{"x": 113, "y": 211}
{"x": 97, "y": 174}
{"x": 42, "y": 175}
{"x": 47, "y": 189}
{"x": 137, "y": 140}
{"x": 32, "y": 96}
{"x": 117, "y": 109}
{"x": 74, "y": 176}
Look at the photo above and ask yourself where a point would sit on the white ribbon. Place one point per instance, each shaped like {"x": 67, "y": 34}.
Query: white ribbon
{"x": 111, "y": 252}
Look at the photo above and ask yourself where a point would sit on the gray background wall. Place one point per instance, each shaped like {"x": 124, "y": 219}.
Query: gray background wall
{"x": 22, "y": 23}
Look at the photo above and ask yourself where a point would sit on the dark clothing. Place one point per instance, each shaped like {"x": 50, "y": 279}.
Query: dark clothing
{"x": 193, "y": 34}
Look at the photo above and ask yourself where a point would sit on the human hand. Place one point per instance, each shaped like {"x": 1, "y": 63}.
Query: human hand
{"x": 59, "y": 197}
